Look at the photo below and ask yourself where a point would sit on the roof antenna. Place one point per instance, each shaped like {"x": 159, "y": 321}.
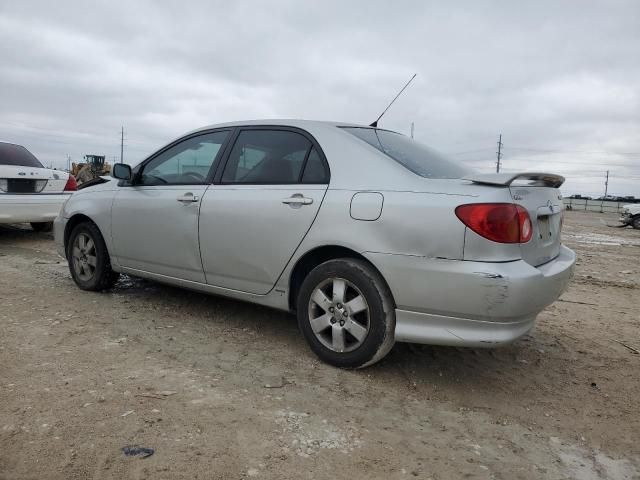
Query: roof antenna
{"x": 375, "y": 124}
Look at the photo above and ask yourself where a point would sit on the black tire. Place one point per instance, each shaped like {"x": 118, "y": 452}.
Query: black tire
{"x": 635, "y": 222}
{"x": 103, "y": 277}
{"x": 42, "y": 226}
{"x": 381, "y": 319}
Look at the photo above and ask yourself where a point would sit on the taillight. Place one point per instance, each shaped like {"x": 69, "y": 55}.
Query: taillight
{"x": 71, "y": 185}
{"x": 499, "y": 222}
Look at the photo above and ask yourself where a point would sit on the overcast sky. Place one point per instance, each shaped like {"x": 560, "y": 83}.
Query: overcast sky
{"x": 559, "y": 80}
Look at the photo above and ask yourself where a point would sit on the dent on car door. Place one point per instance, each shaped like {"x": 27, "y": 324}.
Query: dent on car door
{"x": 155, "y": 220}
{"x": 253, "y": 220}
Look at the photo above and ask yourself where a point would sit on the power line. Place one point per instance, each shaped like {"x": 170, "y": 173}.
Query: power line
{"x": 471, "y": 151}
{"x": 587, "y": 152}
{"x": 475, "y": 140}
{"x": 542, "y": 151}
{"x": 576, "y": 164}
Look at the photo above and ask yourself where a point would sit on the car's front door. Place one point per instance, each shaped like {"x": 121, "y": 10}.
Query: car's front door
{"x": 254, "y": 218}
{"x": 155, "y": 220}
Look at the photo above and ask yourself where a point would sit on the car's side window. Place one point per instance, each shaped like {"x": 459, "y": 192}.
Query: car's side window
{"x": 187, "y": 163}
{"x": 315, "y": 171}
{"x": 266, "y": 157}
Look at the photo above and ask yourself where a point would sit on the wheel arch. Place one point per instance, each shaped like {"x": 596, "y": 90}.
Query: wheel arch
{"x": 75, "y": 220}
{"x": 315, "y": 257}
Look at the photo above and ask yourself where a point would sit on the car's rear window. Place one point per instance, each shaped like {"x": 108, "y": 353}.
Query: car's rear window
{"x": 11, "y": 154}
{"x": 418, "y": 158}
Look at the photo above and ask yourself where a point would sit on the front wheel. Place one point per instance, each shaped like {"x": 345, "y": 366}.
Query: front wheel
{"x": 345, "y": 311}
{"x": 635, "y": 223}
{"x": 89, "y": 260}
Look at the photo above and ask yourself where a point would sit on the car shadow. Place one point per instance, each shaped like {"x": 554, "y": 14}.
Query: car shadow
{"x": 213, "y": 308}
{"x": 21, "y": 231}
{"x": 419, "y": 363}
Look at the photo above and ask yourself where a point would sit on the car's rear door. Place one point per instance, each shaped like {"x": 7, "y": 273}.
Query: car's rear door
{"x": 155, "y": 220}
{"x": 263, "y": 204}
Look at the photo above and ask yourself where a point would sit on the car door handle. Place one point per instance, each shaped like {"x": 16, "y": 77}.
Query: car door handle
{"x": 188, "y": 198}
{"x": 297, "y": 200}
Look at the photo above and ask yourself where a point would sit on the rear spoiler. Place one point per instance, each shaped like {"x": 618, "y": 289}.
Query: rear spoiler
{"x": 505, "y": 179}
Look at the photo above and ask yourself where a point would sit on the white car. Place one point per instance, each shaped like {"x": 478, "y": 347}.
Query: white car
{"x": 631, "y": 215}
{"x": 30, "y": 193}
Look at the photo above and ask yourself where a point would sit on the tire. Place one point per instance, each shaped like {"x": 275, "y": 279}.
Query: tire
{"x": 367, "y": 323}
{"x": 84, "y": 248}
{"x": 42, "y": 226}
{"x": 635, "y": 223}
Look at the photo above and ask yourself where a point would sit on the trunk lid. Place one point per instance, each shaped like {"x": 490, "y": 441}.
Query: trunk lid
{"x": 16, "y": 179}
{"x": 539, "y": 193}
{"x": 544, "y": 205}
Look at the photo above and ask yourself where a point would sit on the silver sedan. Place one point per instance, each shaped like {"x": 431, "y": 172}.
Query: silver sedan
{"x": 368, "y": 236}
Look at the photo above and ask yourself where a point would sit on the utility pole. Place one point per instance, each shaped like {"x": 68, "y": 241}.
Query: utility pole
{"x": 412, "y": 127}
{"x": 121, "y": 144}
{"x": 68, "y": 163}
{"x": 606, "y": 188}
{"x": 499, "y": 152}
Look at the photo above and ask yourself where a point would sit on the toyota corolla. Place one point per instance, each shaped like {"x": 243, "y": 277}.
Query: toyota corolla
{"x": 368, "y": 236}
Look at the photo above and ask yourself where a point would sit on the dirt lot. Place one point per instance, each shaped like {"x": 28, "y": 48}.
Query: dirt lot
{"x": 222, "y": 389}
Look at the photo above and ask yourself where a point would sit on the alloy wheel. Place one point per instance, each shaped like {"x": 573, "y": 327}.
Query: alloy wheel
{"x": 84, "y": 257}
{"x": 339, "y": 315}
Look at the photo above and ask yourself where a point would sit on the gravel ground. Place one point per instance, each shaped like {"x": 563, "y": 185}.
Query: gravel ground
{"x": 223, "y": 389}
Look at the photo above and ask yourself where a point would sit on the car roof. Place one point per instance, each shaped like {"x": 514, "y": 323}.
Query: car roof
{"x": 12, "y": 143}
{"x": 281, "y": 122}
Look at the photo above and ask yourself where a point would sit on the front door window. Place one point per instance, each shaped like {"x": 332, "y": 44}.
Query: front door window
{"x": 187, "y": 163}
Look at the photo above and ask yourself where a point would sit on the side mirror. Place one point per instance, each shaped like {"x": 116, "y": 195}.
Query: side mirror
{"x": 121, "y": 171}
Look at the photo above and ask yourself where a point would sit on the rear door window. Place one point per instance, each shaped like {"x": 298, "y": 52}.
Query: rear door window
{"x": 315, "y": 171}
{"x": 273, "y": 157}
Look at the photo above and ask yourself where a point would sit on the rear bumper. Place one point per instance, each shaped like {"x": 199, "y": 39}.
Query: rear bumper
{"x": 454, "y": 302}
{"x": 31, "y": 208}
{"x": 418, "y": 327}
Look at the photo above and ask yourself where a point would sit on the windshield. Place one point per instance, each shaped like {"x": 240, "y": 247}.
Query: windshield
{"x": 11, "y": 154}
{"x": 415, "y": 156}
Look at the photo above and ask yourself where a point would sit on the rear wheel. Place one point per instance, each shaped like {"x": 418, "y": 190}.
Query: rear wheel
{"x": 42, "y": 226}
{"x": 89, "y": 260}
{"x": 635, "y": 223}
{"x": 345, "y": 312}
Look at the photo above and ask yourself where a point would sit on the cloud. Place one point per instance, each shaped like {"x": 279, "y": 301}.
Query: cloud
{"x": 559, "y": 80}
